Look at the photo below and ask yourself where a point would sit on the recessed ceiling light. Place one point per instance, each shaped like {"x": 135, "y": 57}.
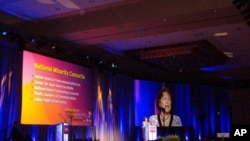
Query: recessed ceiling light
{"x": 229, "y": 54}
{"x": 220, "y": 34}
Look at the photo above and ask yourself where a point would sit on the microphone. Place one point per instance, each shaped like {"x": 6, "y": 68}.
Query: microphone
{"x": 162, "y": 109}
{"x": 62, "y": 117}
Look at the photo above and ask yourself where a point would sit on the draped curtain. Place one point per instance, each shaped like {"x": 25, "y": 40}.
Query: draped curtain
{"x": 113, "y": 98}
{"x": 205, "y": 108}
{"x": 114, "y": 109}
{"x": 119, "y": 103}
{"x": 10, "y": 92}
{"x": 210, "y": 110}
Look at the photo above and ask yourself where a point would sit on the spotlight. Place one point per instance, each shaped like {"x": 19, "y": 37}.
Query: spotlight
{"x": 33, "y": 40}
{"x": 53, "y": 47}
{"x": 114, "y": 65}
{"x": 100, "y": 62}
{"x": 87, "y": 57}
{"x": 4, "y": 33}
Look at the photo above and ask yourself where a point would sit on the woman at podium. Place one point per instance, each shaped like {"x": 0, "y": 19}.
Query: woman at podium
{"x": 165, "y": 117}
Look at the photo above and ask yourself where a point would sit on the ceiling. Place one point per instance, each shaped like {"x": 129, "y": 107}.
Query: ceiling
{"x": 205, "y": 41}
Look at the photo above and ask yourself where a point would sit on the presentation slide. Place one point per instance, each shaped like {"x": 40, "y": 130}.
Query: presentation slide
{"x": 55, "y": 91}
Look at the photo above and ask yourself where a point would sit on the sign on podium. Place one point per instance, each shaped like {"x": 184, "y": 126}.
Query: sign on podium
{"x": 149, "y": 133}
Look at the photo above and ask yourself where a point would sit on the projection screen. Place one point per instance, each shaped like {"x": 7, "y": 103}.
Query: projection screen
{"x": 55, "y": 91}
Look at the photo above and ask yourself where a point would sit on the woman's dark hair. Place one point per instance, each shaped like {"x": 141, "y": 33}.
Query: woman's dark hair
{"x": 160, "y": 95}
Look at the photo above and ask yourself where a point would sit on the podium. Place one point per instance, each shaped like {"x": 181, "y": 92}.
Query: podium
{"x": 152, "y": 133}
{"x": 67, "y": 132}
{"x": 149, "y": 133}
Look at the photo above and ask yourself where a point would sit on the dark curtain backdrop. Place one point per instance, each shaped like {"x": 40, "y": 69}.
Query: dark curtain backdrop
{"x": 210, "y": 110}
{"x": 10, "y": 92}
{"x": 120, "y": 103}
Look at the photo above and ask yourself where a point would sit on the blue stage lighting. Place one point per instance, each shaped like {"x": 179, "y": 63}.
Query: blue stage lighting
{"x": 33, "y": 40}
{"x": 4, "y": 33}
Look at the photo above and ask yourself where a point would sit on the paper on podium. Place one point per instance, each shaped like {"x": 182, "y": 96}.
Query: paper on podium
{"x": 149, "y": 133}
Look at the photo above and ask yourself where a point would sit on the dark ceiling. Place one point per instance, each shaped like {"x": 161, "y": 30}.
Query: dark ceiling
{"x": 165, "y": 40}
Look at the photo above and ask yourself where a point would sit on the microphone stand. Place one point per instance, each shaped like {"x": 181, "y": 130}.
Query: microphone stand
{"x": 69, "y": 116}
{"x": 63, "y": 118}
{"x": 71, "y": 126}
{"x": 164, "y": 117}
